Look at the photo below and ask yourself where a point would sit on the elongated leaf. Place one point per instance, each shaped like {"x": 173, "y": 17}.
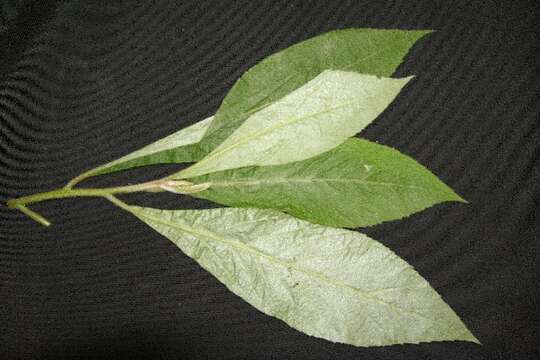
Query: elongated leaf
{"x": 312, "y": 119}
{"x": 359, "y": 183}
{"x": 176, "y": 148}
{"x": 369, "y": 51}
{"x": 331, "y": 283}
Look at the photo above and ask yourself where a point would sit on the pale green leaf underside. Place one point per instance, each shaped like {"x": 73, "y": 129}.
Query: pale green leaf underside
{"x": 369, "y": 51}
{"x": 178, "y": 147}
{"x": 331, "y": 283}
{"x": 312, "y": 119}
{"x": 359, "y": 183}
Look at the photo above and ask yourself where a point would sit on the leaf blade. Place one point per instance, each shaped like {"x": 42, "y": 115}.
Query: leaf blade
{"x": 359, "y": 183}
{"x": 370, "y": 51}
{"x": 331, "y": 283}
{"x": 312, "y": 119}
{"x": 178, "y": 147}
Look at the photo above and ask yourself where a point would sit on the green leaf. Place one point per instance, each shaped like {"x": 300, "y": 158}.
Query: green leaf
{"x": 331, "y": 283}
{"x": 312, "y": 119}
{"x": 175, "y": 148}
{"x": 368, "y": 51}
{"x": 359, "y": 183}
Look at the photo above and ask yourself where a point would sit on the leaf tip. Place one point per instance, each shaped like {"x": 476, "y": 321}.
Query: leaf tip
{"x": 469, "y": 337}
{"x": 462, "y": 200}
{"x": 476, "y": 341}
{"x": 424, "y": 32}
{"x": 409, "y": 78}
{"x": 414, "y": 35}
{"x": 456, "y": 197}
{"x": 405, "y": 80}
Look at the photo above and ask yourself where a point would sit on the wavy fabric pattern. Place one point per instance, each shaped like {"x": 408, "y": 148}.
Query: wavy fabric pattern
{"x": 83, "y": 83}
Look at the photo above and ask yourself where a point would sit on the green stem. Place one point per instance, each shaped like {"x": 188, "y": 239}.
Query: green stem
{"x": 21, "y": 203}
{"x": 119, "y": 203}
{"x": 67, "y": 192}
{"x": 33, "y": 215}
{"x": 78, "y": 179}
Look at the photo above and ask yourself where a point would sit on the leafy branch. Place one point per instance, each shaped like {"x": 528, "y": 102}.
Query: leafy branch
{"x": 281, "y": 152}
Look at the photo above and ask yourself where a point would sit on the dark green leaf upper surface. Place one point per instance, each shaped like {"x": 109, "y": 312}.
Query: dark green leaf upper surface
{"x": 369, "y": 51}
{"x": 359, "y": 183}
{"x": 331, "y": 283}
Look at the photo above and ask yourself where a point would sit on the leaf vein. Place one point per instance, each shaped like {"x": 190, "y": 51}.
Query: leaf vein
{"x": 242, "y": 247}
{"x": 267, "y": 130}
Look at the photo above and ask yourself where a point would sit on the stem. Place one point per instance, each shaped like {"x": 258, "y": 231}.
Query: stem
{"x": 119, "y": 203}
{"x": 33, "y": 215}
{"x": 78, "y": 179}
{"x": 178, "y": 186}
{"x": 67, "y": 192}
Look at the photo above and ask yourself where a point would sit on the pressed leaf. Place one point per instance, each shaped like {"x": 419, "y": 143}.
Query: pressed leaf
{"x": 176, "y": 148}
{"x": 312, "y": 119}
{"x": 331, "y": 283}
{"x": 368, "y": 51}
{"x": 359, "y": 183}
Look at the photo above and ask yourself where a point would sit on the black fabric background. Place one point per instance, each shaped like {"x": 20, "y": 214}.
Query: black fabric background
{"x": 82, "y": 83}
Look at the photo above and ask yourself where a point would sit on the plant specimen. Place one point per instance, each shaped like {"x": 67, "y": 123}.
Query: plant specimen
{"x": 281, "y": 153}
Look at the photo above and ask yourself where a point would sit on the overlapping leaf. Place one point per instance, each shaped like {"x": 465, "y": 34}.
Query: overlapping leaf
{"x": 176, "y": 148}
{"x": 368, "y": 51}
{"x": 311, "y": 120}
{"x": 331, "y": 283}
{"x": 359, "y": 183}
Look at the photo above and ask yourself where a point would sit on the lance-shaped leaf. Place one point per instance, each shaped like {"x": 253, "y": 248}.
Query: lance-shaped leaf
{"x": 311, "y": 120}
{"x": 331, "y": 283}
{"x": 368, "y": 51}
{"x": 176, "y": 148}
{"x": 359, "y": 183}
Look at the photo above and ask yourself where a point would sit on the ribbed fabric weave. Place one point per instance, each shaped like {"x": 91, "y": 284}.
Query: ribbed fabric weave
{"x": 85, "y": 82}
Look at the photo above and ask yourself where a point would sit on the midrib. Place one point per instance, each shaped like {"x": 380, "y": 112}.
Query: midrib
{"x": 256, "y": 135}
{"x": 270, "y": 181}
{"x": 242, "y": 247}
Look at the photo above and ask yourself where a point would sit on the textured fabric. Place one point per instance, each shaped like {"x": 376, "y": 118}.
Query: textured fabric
{"x": 85, "y": 82}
